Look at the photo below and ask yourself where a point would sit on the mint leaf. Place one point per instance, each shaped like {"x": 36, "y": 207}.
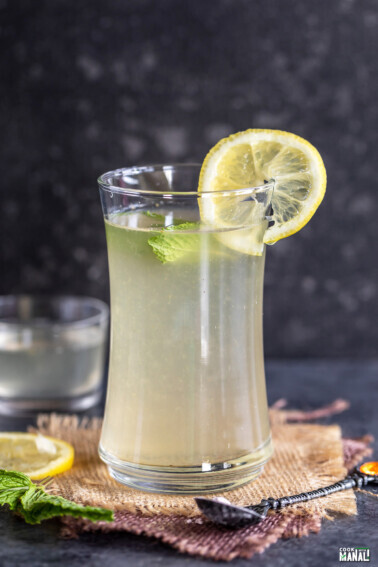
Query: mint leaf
{"x": 154, "y": 216}
{"x": 12, "y": 486}
{"x": 169, "y": 246}
{"x": 161, "y": 219}
{"x": 38, "y": 505}
{"x": 34, "y": 504}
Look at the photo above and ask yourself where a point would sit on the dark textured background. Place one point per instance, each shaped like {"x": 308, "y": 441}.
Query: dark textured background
{"x": 87, "y": 86}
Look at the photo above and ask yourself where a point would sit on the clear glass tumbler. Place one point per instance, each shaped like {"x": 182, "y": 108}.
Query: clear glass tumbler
{"x": 186, "y": 407}
{"x": 52, "y": 352}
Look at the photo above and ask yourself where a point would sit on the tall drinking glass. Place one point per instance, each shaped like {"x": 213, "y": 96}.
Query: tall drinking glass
{"x": 186, "y": 407}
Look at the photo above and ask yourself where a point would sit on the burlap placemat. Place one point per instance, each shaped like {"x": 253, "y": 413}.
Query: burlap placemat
{"x": 306, "y": 457}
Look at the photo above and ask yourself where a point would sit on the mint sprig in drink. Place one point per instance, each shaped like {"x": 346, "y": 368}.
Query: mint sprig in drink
{"x": 186, "y": 407}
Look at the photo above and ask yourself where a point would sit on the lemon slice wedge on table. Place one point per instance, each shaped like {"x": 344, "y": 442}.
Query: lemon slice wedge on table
{"x": 35, "y": 455}
{"x": 250, "y": 159}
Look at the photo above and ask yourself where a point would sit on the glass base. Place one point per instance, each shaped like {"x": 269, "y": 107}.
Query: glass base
{"x": 27, "y": 406}
{"x": 207, "y": 478}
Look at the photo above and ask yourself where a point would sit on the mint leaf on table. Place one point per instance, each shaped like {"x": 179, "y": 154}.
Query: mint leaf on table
{"x": 38, "y": 506}
{"x": 12, "y": 486}
{"x": 169, "y": 246}
{"x": 34, "y": 504}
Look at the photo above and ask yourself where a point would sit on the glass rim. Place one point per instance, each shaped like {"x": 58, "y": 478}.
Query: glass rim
{"x": 101, "y": 317}
{"x": 103, "y": 182}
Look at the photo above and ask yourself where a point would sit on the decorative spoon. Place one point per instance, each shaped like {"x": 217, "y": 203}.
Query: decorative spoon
{"x": 222, "y": 512}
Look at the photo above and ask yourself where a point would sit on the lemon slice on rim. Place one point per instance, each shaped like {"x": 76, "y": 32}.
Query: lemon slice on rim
{"x": 250, "y": 159}
{"x": 35, "y": 455}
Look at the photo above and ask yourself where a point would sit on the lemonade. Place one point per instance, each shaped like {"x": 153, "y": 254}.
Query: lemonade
{"x": 186, "y": 408}
{"x": 44, "y": 371}
{"x": 181, "y": 391}
{"x": 52, "y": 351}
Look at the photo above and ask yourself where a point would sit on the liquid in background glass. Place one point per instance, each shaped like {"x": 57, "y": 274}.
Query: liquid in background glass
{"x": 52, "y": 353}
{"x": 186, "y": 406}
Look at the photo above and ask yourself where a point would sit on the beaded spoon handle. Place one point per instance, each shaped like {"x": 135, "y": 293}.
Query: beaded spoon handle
{"x": 222, "y": 512}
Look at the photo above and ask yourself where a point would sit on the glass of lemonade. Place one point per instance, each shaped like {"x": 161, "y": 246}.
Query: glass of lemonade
{"x": 52, "y": 352}
{"x": 186, "y": 408}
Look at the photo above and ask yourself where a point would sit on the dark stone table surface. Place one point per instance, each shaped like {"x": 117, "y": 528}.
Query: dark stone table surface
{"x": 305, "y": 384}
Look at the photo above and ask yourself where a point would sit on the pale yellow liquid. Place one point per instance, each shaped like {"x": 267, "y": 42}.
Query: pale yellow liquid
{"x": 46, "y": 368}
{"x": 186, "y": 379}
